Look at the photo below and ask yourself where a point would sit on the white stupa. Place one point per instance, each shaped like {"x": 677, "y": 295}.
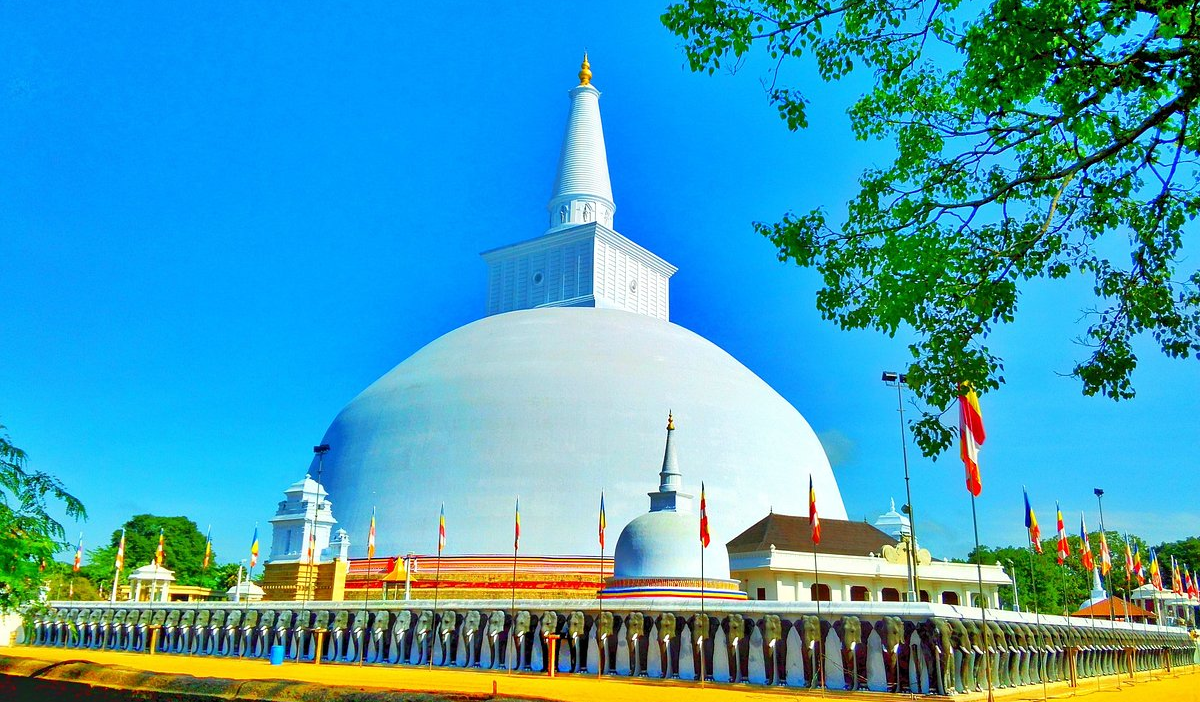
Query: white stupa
{"x": 556, "y": 393}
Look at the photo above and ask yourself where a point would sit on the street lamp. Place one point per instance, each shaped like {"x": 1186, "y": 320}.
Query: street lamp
{"x": 1016, "y": 595}
{"x": 899, "y": 380}
{"x": 1104, "y": 536}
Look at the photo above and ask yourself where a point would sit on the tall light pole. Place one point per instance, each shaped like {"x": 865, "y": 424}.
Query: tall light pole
{"x": 1104, "y": 536}
{"x": 1016, "y": 595}
{"x": 899, "y": 380}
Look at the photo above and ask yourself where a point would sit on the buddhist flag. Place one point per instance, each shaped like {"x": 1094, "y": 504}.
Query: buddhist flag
{"x": 1193, "y": 587}
{"x": 1035, "y": 532}
{"x": 207, "y": 548}
{"x": 78, "y": 554}
{"x": 1128, "y": 559}
{"x": 442, "y": 529}
{"x": 312, "y": 546}
{"x": 254, "y": 547}
{"x": 158, "y": 552}
{"x": 1064, "y": 548}
{"x": 603, "y": 522}
{"x": 1176, "y": 585}
{"x": 1138, "y": 572}
{"x": 517, "y": 526}
{"x": 970, "y": 425}
{"x": 1105, "y": 556}
{"x": 120, "y": 561}
{"x": 1085, "y": 555}
{"x": 814, "y": 522}
{"x": 371, "y": 537}
{"x": 1155, "y": 571}
{"x": 704, "y": 536}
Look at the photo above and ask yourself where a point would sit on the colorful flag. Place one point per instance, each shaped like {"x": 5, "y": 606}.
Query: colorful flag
{"x": 371, "y": 537}
{"x": 603, "y": 522}
{"x": 517, "y": 526}
{"x": 442, "y": 529}
{"x": 1035, "y": 532}
{"x": 1105, "y": 556}
{"x": 1085, "y": 554}
{"x": 254, "y": 547}
{"x": 79, "y": 554}
{"x": 312, "y": 546}
{"x": 1176, "y": 586}
{"x": 814, "y": 522}
{"x": 1194, "y": 588}
{"x": 1064, "y": 548}
{"x": 207, "y": 548}
{"x": 1155, "y": 571}
{"x": 1128, "y": 559}
{"x": 158, "y": 553}
{"x": 120, "y": 561}
{"x": 704, "y": 535}
{"x": 1138, "y": 571}
{"x": 970, "y": 424}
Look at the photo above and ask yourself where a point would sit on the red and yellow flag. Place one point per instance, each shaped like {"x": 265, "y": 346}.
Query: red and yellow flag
{"x": 120, "y": 560}
{"x": 814, "y": 522}
{"x": 78, "y": 555}
{"x": 1035, "y": 532}
{"x": 1105, "y": 556}
{"x": 970, "y": 424}
{"x": 517, "y": 526}
{"x": 158, "y": 553}
{"x": 1064, "y": 548}
{"x": 1155, "y": 571}
{"x": 603, "y": 522}
{"x": 705, "y": 538}
{"x": 1138, "y": 571}
{"x": 1085, "y": 554}
{"x": 371, "y": 537}
{"x": 442, "y": 529}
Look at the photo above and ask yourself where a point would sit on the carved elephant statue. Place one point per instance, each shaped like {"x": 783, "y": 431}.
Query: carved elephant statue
{"x": 637, "y": 636}
{"x": 400, "y": 636}
{"x": 737, "y": 649}
{"x": 891, "y": 637}
{"x": 551, "y": 623}
{"x": 578, "y": 624}
{"x": 704, "y": 643}
{"x": 424, "y": 632}
{"x": 608, "y": 628}
{"x": 498, "y": 624}
{"x": 854, "y": 651}
{"x": 472, "y": 635}
{"x": 937, "y": 638}
{"x": 774, "y": 648}
{"x": 812, "y": 637}
{"x": 523, "y": 635}
{"x": 669, "y": 644}
{"x": 339, "y": 631}
{"x": 964, "y": 656}
{"x": 448, "y": 623}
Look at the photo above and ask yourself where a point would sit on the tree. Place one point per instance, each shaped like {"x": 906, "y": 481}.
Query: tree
{"x": 183, "y": 548}
{"x": 1033, "y": 139}
{"x": 29, "y": 536}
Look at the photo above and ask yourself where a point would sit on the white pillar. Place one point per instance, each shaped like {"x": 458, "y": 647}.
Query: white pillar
{"x": 137, "y": 591}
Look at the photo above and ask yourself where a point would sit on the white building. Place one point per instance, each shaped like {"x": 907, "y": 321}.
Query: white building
{"x": 558, "y": 394}
{"x": 303, "y": 513}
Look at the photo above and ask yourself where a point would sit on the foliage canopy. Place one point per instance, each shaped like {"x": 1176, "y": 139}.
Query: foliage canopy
{"x": 1033, "y": 139}
{"x": 29, "y": 536}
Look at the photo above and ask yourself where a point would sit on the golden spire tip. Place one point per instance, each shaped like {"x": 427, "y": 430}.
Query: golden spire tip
{"x": 670, "y": 421}
{"x": 585, "y": 71}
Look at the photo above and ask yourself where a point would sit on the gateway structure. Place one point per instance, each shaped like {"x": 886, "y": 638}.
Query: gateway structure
{"x": 557, "y": 394}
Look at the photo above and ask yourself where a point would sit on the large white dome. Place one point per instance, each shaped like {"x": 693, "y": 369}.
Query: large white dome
{"x": 555, "y": 405}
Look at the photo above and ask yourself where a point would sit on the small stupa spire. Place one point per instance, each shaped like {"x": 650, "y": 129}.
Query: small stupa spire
{"x": 670, "y": 481}
{"x": 585, "y": 71}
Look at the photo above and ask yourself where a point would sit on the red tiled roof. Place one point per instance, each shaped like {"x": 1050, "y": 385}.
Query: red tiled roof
{"x": 790, "y": 533}
{"x": 1100, "y": 610}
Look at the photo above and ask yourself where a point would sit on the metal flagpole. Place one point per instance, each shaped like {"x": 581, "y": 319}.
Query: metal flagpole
{"x": 1037, "y": 615}
{"x": 1105, "y": 579}
{"x": 815, "y": 535}
{"x": 437, "y": 580}
{"x": 601, "y": 660}
{"x": 982, "y": 600}
{"x": 512, "y": 603}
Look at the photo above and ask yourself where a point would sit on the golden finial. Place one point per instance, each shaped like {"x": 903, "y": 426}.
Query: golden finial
{"x": 670, "y": 421}
{"x": 585, "y": 71}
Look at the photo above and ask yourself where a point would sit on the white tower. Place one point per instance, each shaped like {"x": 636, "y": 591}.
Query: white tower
{"x": 303, "y": 513}
{"x": 581, "y": 261}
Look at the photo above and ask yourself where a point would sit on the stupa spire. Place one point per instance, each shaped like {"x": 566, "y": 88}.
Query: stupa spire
{"x": 670, "y": 481}
{"x": 582, "y": 191}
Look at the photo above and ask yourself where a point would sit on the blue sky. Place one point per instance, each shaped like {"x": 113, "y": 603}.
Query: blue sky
{"x": 219, "y": 223}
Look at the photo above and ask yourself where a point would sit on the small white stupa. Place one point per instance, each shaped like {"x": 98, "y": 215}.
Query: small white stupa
{"x": 659, "y": 554}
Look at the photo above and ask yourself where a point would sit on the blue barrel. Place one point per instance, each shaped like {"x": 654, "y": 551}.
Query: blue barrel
{"x": 277, "y": 654}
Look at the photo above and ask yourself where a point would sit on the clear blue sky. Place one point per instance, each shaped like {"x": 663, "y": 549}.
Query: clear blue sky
{"x": 219, "y": 223}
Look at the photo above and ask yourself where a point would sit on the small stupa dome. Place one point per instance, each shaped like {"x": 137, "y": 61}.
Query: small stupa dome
{"x": 666, "y": 545}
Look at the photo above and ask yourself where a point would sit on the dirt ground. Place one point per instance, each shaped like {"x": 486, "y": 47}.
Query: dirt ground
{"x": 1182, "y": 685}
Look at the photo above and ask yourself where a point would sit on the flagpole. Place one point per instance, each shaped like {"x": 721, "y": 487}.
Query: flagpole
{"x": 814, "y": 526}
{"x": 1037, "y": 615}
{"x": 512, "y": 602}
{"x": 437, "y": 581}
{"x": 982, "y": 599}
{"x": 601, "y": 660}
{"x": 362, "y": 646}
